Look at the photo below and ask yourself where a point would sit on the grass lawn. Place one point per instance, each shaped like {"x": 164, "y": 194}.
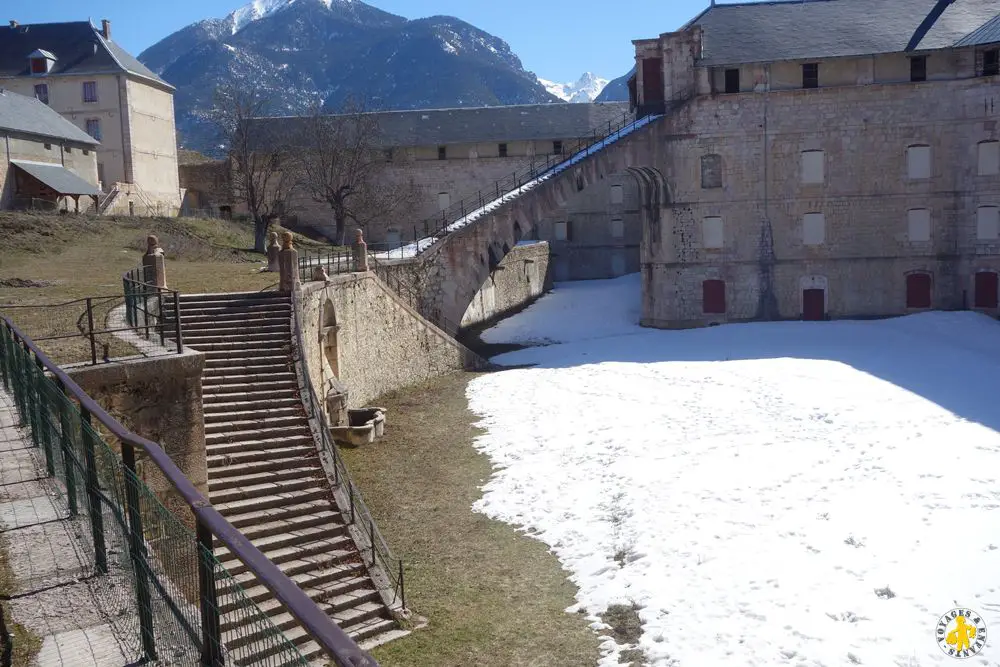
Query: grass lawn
{"x": 493, "y": 597}
{"x": 52, "y": 259}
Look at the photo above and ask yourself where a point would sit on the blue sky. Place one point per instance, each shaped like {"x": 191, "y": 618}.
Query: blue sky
{"x": 556, "y": 39}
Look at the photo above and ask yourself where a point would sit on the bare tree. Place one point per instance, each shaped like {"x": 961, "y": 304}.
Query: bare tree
{"x": 342, "y": 164}
{"x": 262, "y": 167}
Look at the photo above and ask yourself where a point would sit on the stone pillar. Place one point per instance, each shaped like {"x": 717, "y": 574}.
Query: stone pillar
{"x": 272, "y": 253}
{"x": 288, "y": 264}
{"x": 360, "y": 252}
{"x": 153, "y": 262}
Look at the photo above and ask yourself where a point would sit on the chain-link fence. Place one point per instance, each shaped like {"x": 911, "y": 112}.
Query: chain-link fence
{"x": 152, "y": 534}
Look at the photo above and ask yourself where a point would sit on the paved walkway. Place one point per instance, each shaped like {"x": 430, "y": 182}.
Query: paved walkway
{"x": 55, "y": 592}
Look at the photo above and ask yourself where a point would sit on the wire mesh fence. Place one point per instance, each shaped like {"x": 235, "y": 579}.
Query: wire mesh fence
{"x": 151, "y": 560}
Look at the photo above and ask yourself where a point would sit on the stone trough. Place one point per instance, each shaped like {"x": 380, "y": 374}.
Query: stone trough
{"x": 365, "y": 426}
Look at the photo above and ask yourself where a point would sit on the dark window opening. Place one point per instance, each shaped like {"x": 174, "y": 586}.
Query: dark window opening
{"x": 986, "y": 289}
{"x": 42, "y": 93}
{"x": 387, "y": 154}
{"x": 991, "y": 62}
{"x": 918, "y": 290}
{"x": 502, "y": 150}
{"x": 69, "y": 149}
{"x": 810, "y": 75}
{"x": 711, "y": 171}
{"x": 732, "y": 81}
{"x": 713, "y": 297}
{"x": 442, "y": 152}
{"x": 918, "y": 68}
{"x": 89, "y": 91}
{"x": 48, "y": 147}
{"x": 557, "y": 147}
{"x": 39, "y": 66}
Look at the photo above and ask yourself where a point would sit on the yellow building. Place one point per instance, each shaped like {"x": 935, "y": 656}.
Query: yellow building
{"x": 86, "y": 77}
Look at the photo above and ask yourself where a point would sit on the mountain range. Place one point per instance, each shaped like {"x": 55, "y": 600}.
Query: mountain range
{"x": 300, "y": 52}
{"x": 585, "y": 89}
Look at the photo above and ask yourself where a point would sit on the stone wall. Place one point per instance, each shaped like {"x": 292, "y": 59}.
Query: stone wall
{"x": 160, "y": 399}
{"x": 359, "y": 336}
{"x": 52, "y": 151}
{"x": 520, "y": 278}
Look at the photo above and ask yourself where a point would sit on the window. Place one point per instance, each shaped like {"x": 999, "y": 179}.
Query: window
{"x": 94, "y": 128}
{"x": 444, "y": 200}
{"x": 502, "y": 150}
{"x": 988, "y": 223}
{"x": 89, "y": 92}
{"x": 387, "y": 154}
{"x": 712, "y": 232}
{"x": 918, "y": 162}
{"x": 711, "y": 171}
{"x": 986, "y": 289}
{"x": 442, "y": 152}
{"x": 617, "y": 229}
{"x": 732, "y": 80}
{"x": 557, "y": 147}
{"x": 618, "y": 264}
{"x": 48, "y": 147}
{"x": 563, "y": 231}
{"x": 617, "y": 194}
{"x": 42, "y": 93}
{"x": 810, "y": 75}
{"x": 918, "y": 290}
{"x": 813, "y": 229}
{"x": 69, "y": 149}
{"x": 918, "y": 223}
{"x": 813, "y": 167}
{"x": 989, "y": 158}
{"x": 991, "y": 62}
{"x": 39, "y": 66}
{"x": 86, "y": 152}
{"x": 713, "y": 297}
{"x": 918, "y": 68}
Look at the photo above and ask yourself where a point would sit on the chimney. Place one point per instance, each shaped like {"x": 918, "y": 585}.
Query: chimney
{"x": 13, "y": 23}
{"x": 106, "y": 28}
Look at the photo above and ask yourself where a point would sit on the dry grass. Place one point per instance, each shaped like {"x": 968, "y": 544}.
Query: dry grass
{"x": 493, "y": 597}
{"x": 24, "y": 644}
{"x": 82, "y": 256}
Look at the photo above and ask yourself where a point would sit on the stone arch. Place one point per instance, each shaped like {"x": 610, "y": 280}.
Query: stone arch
{"x": 329, "y": 338}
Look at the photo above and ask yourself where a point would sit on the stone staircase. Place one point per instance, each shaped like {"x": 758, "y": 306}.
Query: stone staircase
{"x": 265, "y": 475}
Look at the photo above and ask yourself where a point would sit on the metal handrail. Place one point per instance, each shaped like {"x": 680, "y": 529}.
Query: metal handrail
{"x": 377, "y": 546}
{"x": 139, "y": 289}
{"x": 210, "y": 523}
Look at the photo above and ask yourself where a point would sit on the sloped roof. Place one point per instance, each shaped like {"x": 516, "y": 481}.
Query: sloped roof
{"x": 19, "y": 113}
{"x": 988, "y": 33}
{"x": 801, "y": 29}
{"x": 57, "y": 177}
{"x": 78, "y": 47}
{"x": 527, "y": 122}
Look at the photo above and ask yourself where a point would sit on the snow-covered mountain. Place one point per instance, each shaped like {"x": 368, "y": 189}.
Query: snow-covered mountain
{"x": 585, "y": 89}
{"x": 299, "y": 52}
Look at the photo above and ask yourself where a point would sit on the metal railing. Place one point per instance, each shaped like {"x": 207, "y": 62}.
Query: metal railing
{"x": 371, "y": 541}
{"x": 334, "y": 261}
{"x": 144, "y": 308}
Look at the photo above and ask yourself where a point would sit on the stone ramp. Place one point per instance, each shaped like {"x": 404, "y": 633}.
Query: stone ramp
{"x": 55, "y": 593}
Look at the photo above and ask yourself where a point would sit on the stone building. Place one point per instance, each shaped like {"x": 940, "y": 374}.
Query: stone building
{"x": 850, "y": 171}
{"x": 46, "y": 162}
{"x": 451, "y": 154}
{"x": 80, "y": 72}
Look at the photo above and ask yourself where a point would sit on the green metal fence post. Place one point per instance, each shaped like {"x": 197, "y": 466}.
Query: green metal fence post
{"x": 41, "y": 428}
{"x": 93, "y": 492}
{"x": 29, "y": 394}
{"x": 4, "y": 356}
{"x": 211, "y": 630}
{"x": 137, "y": 551}
{"x": 66, "y": 442}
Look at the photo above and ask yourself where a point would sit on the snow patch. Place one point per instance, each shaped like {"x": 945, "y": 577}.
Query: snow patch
{"x": 796, "y": 493}
{"x": 585, "y": 89}
{"x": 258, "y": 9}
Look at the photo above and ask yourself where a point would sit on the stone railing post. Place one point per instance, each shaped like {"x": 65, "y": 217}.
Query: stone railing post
{"x": 360, "y": 252}
{"x": 288, "y": 265}
{"x": 272, "y": 253}
{"x": 153, "y": 263}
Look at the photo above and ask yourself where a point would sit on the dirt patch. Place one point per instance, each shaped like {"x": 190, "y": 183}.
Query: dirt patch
{"x": 18, "y": 645}
{"x": 626, "y": 626}
{"x": 24, "y": 282}
{"x": 493, "y": 596}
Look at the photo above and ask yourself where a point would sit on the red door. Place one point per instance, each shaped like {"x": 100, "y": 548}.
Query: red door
{"x": 652, "y": 80}
{"x": 918, "y": 290}
{"x": 814, "y": 304}
{"x": 986, "y": 289}
{"x": 713, "y": 297}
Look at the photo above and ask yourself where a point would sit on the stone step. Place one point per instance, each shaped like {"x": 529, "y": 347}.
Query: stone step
{"x": 293, "y": 470}
{"x": 255, "y": 523}
{"x": 254, "y": 373}
{"x": 242, "y": 351}
{"x": 360, "y": 633}
{"x": 257, "y": 446}
{"x": 245, "y": 362}
{"x": 234, "y": 465}
{"x": 269, "y": 404}
{"x": 235, "y": 508}
{"x": 209, "y": 321}
{"x": 316, "y": 584}
{"x": 208, "y": 331}
{"x": 253, "y": 346}
{"x": 303, "y": 558}
{"x": 215, "y": 415}
{"x": 269, "y": 489}
{"x": 266, "y": 298}
{"x": 247, "y": 306}
{"x": 214, "y": 338}
{"x": 248, "y": 378}
{"x": 286, "y": 546}
{"x": 247, "y": 439}
{"x": 258, "y": 424}
{"x": 238, "y": 393}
